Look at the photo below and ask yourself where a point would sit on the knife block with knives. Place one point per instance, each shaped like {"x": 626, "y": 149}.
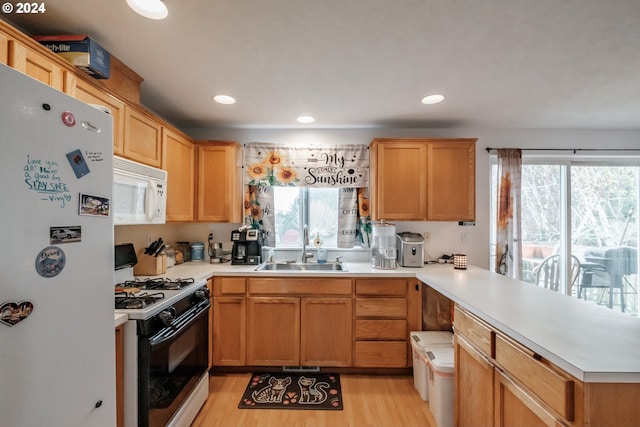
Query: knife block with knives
{"x": 149, "y": 265}
{"x": 152, "y": 261}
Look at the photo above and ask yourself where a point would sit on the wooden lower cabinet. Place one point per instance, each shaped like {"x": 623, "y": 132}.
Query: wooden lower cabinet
{"x": 515, "y": 406}
{"x": 229, "y": 322}
{"x": 300, "y": 322}
{"x": 386, "y": 310}
{"x": 474, "y": 383}
{"x": 500, "y": 382}
{"x": 314, "y": 321}
{"x": 325, "y": 331}
{"x": 306, "y": 331}
{"x": 274, "y": 331}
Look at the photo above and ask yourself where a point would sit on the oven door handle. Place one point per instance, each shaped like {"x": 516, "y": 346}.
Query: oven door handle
{"x": 180, "y": 324}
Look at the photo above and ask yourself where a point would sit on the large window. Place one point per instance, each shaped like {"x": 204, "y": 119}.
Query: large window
{"x": 296, "y": 206}
{"x": 586, "y": 213}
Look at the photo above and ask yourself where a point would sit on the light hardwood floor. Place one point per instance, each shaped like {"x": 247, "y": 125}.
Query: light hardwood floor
{"x": 368, "y": 400}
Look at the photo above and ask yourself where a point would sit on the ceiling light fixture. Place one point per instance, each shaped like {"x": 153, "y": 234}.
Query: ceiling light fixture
{"x": 152, "y": 9}
{"x": 432, "y": 99}
{"x": 305, "y": 119}
{"x": 224, "y": 99}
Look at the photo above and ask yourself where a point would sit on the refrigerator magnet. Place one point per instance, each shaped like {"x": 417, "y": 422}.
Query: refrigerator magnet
{"x": 50, "y": 262}
{"x": 65, "y": 234}
{"x": 78, "y": 163}
{"x": 68, "y": 119}
{"x": 12, "y": 313}
{"x": 93, "y": 205}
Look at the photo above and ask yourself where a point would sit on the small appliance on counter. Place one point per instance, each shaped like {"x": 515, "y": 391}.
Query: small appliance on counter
{"x": 125, "y": 256}
{"x": 410, "y": 249}
{"x": 383, "y": 249}
{"x": 247, "y": 246}
{"x": 216, "y": 254}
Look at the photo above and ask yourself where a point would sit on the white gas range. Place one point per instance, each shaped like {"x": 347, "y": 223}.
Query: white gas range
{"x": 166, "y": 348}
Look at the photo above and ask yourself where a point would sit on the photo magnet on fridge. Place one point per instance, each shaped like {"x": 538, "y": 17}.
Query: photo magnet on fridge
{"x": 78, "y": 163}
{"x": 11, "y": 313}
{"x": 90, "y": 204}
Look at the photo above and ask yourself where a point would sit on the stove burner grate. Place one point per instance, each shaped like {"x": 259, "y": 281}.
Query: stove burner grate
{"x": 125, "y": 300}
{"x": 157, "y": 284}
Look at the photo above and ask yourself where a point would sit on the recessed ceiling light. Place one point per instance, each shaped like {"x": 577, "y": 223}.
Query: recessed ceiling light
{"x": 432, "y": 99}
{"x": 152, "y": 9}
{"x": 305, "y": 119}
{"x": 224, "y": 99}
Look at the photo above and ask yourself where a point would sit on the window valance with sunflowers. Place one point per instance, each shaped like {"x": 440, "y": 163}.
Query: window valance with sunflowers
{"x": 303, "y": 166}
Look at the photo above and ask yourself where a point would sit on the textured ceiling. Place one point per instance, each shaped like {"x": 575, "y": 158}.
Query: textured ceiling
{"x": 550, "y": 64}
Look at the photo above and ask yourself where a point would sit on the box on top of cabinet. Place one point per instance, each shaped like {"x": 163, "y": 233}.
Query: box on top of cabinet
{"x": 82, "y": 51}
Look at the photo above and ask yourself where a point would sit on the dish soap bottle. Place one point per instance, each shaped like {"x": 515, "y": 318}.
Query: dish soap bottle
{"x": 322, "y": 252}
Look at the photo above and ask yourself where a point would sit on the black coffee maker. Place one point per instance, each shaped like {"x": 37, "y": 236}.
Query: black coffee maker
{"x": 247, "y": 246}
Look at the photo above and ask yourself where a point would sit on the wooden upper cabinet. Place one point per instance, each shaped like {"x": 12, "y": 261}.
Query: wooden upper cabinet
{"x": 86, "y": 92}
{"x": 142, "y": 137}
{"x": 4, "y": 48}
{"x": 34, "y": 64}
{"x": 423, "y": 179}
{"x": 219, "y": 182}
{"x": 399, "y": 182}
{"x": 451, "y": 172}
{"x": 178, "y": 159}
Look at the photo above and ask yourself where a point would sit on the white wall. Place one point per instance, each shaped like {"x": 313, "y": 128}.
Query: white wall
{"x": 446, "y": 237}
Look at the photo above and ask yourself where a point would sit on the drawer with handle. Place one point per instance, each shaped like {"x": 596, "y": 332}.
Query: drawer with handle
{"x": 549, "y": 384}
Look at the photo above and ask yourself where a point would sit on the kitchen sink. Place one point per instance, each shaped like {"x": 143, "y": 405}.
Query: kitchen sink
{"x": 301, "y": 266}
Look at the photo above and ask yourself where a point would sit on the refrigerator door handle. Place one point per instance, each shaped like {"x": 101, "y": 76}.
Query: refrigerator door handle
{"x": 152, "y": 200}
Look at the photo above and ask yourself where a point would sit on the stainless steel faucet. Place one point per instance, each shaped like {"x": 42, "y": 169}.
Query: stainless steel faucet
{"x": 305, "y": 242}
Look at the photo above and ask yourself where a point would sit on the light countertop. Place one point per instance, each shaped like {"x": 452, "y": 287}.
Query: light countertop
{"x": 200, "y": 270}
{"x": 591, "y": 342}
{"x": 120, "y": 319}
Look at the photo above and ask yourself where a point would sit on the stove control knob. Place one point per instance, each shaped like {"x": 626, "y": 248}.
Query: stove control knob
{"x": 202, "y": 294}
{"x": 167, "y": 316}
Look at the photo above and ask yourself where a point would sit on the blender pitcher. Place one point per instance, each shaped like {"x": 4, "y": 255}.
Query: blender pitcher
{"x": 383, "y": 250}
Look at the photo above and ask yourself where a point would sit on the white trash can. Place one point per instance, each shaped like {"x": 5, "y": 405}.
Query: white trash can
{"x": 420, "y": 340}
{"x": 441, "y": 375}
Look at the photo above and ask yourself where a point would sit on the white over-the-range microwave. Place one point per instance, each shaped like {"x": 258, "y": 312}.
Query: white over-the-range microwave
{"x": 139, "y": 193}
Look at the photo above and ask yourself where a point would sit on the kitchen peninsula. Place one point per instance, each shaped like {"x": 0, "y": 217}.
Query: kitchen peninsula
{"x": 586, "y": 354}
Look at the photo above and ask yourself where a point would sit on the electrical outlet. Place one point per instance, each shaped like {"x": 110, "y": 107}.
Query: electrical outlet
{"x": 149, "y": 239}
{"x": 427, "y": 236}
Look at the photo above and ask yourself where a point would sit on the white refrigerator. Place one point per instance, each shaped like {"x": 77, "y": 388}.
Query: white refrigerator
{"x": 57, "y": 346}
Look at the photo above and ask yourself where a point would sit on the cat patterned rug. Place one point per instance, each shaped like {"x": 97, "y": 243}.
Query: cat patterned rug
{"x": 292, "y": 391}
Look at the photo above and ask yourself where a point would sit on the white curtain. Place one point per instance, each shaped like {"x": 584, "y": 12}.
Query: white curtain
{"x": 508, "y": 226}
